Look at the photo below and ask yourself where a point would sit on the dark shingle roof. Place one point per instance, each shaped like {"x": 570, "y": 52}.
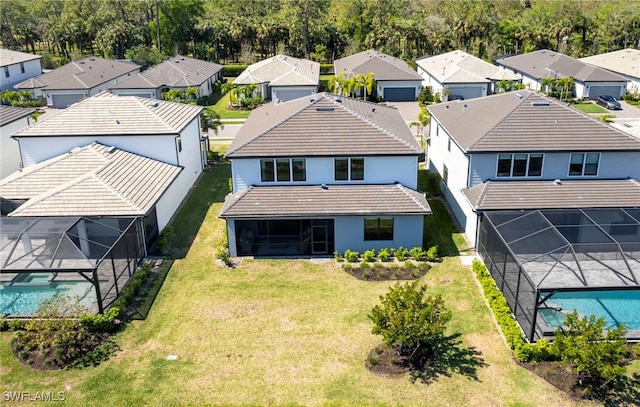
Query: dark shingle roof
{"x": 384, "y": 67}
{"x": 544, "y": 63}
{"x": 82, "y": 74}
{"x": 331, "y": 200}
{"x": 526, "y": 121}
{"x": 496, "y": 195}
{"x": 177, "y": 72}
{"x": 10, "y": 114}
{"x": 323, "y": 125}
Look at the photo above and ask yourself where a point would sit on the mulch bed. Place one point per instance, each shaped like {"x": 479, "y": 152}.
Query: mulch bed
{"x": 559, "y": 375}
{"x": 387, "y": 271}
{"x": 386, "y": 361}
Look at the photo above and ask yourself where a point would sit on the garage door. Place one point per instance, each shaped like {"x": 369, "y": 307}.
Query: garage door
{"x": 64, "y": 101}
{"x": 399, "y": 94}
{"x": 469, "y": 92}
{"x": 595, "y": 91}
{"x": 290, "y": 94}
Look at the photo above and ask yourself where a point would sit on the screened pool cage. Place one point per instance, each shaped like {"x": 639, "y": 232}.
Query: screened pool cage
{"x": 538, "y": 256}
{"x": 88, "y": 257}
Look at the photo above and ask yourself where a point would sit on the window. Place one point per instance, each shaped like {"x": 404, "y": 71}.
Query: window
{"x": 437, "y": 131}
{"x": 179, "y": 143}
{"x": 584, "y": 164}
{"x": 22, "y": 67}
{"x": 6, "y": 71}
{"x": 346, "y": 169}
{"x": 445, "y": 174}
{"x": 449, "y": 143}
{"x": 378, "y": 229}
{"x": 519, "y": 165}
{"x": 283, "y": 169}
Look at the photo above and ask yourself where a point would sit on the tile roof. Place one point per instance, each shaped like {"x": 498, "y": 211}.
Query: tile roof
{"x": 108, "y": 114}
{"x": 597, "y": 193}
{"x": 281, "y": 70}
{"x": 9, "y": 57}
{"x": 95, "y": 180}
{"x": 81, "y": 74}
{"x": 544, "y": 63}
{"x": 10, "y": 114}
{"x": 330, "y": 200}
{"x": 323, "y": 125}
{"x": 179, "y": 71}
{"x": 624, "y": 61}
{"x": 526, "y": 121}
{"x": 460, "y": 67}
{"x": 384, "y": 67}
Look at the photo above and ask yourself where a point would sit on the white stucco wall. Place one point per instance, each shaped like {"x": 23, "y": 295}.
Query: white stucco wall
{"x": 32, "y": 69}
{"x": 377, "y": 170}
{"x": 9, "y": 149}
{"x": 349, "y": 233}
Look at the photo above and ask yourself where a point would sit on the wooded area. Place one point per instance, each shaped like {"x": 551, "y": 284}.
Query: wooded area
{"x": 229, "y": 31}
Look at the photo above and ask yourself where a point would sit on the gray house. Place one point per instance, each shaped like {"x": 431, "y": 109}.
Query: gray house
{"x": 323, "y": 173}
{"x": 590, "y": 80}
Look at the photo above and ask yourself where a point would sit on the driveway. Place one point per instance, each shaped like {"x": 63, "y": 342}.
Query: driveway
{"x": 628, "y": 113}
{"x": 408, "y": 110}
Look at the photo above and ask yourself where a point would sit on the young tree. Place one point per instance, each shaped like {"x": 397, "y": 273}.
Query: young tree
{"x": 408, "y": 319}
{"x": 209, "y": 119}
{"x": 597, "y": 357}
{"x": 365, "y": 81}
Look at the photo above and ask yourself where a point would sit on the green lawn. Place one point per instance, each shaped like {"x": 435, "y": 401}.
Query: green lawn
{"x": 282, "y": 332}
{"x": 590, "y": 108}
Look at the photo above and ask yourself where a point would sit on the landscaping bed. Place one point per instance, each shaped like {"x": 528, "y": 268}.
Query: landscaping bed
{"x": 409, "y": 270}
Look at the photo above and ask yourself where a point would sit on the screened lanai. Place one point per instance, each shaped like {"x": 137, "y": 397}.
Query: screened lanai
{"x": 549, "y": 262}
{"x": 88, "y": 257}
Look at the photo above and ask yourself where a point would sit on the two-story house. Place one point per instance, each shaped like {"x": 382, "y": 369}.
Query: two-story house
{"x": 323, "y": 173}
{"x": 17, "y": 67}
{"x": 522, "y": 150}
{"x": 12, "y": 119}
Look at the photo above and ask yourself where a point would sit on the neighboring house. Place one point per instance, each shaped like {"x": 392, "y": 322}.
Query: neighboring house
{"x": 590, "y": 81}
{"x": 17, "y": 67}
{"x": 12, "y": 119}
{"x": 179, "y": 72}
{"x": 463, "y": 74}
{"x": 79, "y": 80}
{"x": 282, "y": 77}
{"x": 522, "y": 150}
{"x": 163, "y": 131}
{"x": 396, "y": 80}
{"x": 625, "y": 62}
{"x": 323, "y": 173}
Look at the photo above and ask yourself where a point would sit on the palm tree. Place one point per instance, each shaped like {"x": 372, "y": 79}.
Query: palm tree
{"x": 566, "y": 85}
{"x": 424, "y": 119}
{"x": 335, "y": 83}
{"x": 232, "y": 89}
{"x": 366, "y": 82}
{"x": 547, "y": 83}
{"x": 209, "y": 119}
{"x": 503, "y": 86}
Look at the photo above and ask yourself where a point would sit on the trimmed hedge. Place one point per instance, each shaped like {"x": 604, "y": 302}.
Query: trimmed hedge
{"x": 233, "y": 70}
{"x": 326, "y": 69}
{"x": 131, "y": 289}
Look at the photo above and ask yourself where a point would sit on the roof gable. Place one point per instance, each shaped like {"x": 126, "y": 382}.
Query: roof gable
{"x": 323, "y": 125}
{"x": 109, "y": 114}
{"x": 624, "y": 61}
{"x": 384, "y": 67}
{"x": 92, "y": 180}
{"x": 526, "y": 121}
{"x": 460, "y": 67}
{"x": 281, "y": 70}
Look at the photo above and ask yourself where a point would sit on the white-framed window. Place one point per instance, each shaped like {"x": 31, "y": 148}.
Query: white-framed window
{"x": 520, "y": 165}
{"x": 283, "y": 169}
{"x": 179, "y": 143}
{"x": 349, "y": 169}
{"x": 584, "y": 164}
{"x": 378, "y": 229}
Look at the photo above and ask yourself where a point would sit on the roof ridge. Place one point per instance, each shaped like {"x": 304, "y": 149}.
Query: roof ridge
{"x": 236, "y": 198}
{"x": 405, "y": 190}
{"x": 146, "y": 106}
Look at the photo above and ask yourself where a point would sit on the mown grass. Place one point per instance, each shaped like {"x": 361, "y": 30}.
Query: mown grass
{"x": 282, "y": 332}
{"x": 589, "y": 108}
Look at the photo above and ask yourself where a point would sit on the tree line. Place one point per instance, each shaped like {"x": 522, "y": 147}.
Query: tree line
{"x": 231, "y": 31}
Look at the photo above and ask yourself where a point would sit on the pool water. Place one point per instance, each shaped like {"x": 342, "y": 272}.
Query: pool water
{"x": 615, "y": 306}
{"x": 25, "y": 296}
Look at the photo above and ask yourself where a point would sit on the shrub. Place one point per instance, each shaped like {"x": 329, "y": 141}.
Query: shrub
{"x": 433, "y": 183}
{"x": 337, "y": 256}
{"x": 432, "y": 253}
{"x": 400, "y": 253}
{"x": 539, "y": 351}
{"x": 347, "y": 267}
{"x": 101, "y": 322}
{"x": 384, "y": 255}
{"x": 130, "y": 290}
{"x": 408, "y": 265}
{"x": 408, "y": 318}
{"x": 369, "y": 256}
{"x": 164, "y": 239}
{"x": 364, "y": 265}
{"x": 223, "y": 254}
{"x": 418, "y": 254}
{"x": 351, "y": 256}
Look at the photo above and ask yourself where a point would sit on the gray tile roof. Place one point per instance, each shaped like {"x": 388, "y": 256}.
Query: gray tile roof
{"x": 95, "y": 180}
{"x": 281, "y": 70}
{"x": 544, "y": 63}
{"x": 331, "y": 200}
{"x": 494, "y": 195}
{"x": 323, "y": 125}
{"x": 460, "y": 67}
{"x": 9, "y": 57}
{"x": 81, "y": 74}
{"x": 108, "y": 114}
{"x": 384, "y": 67}
{"x": 624, "y": 61}
{"x": 177, "y": 72}
{"x": 10, "y": 114}
{"x": 526, "y": 121}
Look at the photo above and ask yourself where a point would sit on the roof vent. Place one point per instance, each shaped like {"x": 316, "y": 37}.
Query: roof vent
{"x": 155, "y": 104}
{"x": 464, "y": 106}
{"x": 518, "y": 95}
{"x": 446, "y": 107}
{"x": 324, "y": 109}
{"x": 557, "y": 182}
{"x": 337, "y": 99}
{"x": 111, "y": 149}
{"x": 539, "y": 103}
{"x": 312, "y": 99}
{"x": 324, "y": 186}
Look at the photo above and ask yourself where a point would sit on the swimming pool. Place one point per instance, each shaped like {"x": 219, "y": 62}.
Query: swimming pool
{"x": 619, "y": 306}
{"x": 25, "y": 294}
